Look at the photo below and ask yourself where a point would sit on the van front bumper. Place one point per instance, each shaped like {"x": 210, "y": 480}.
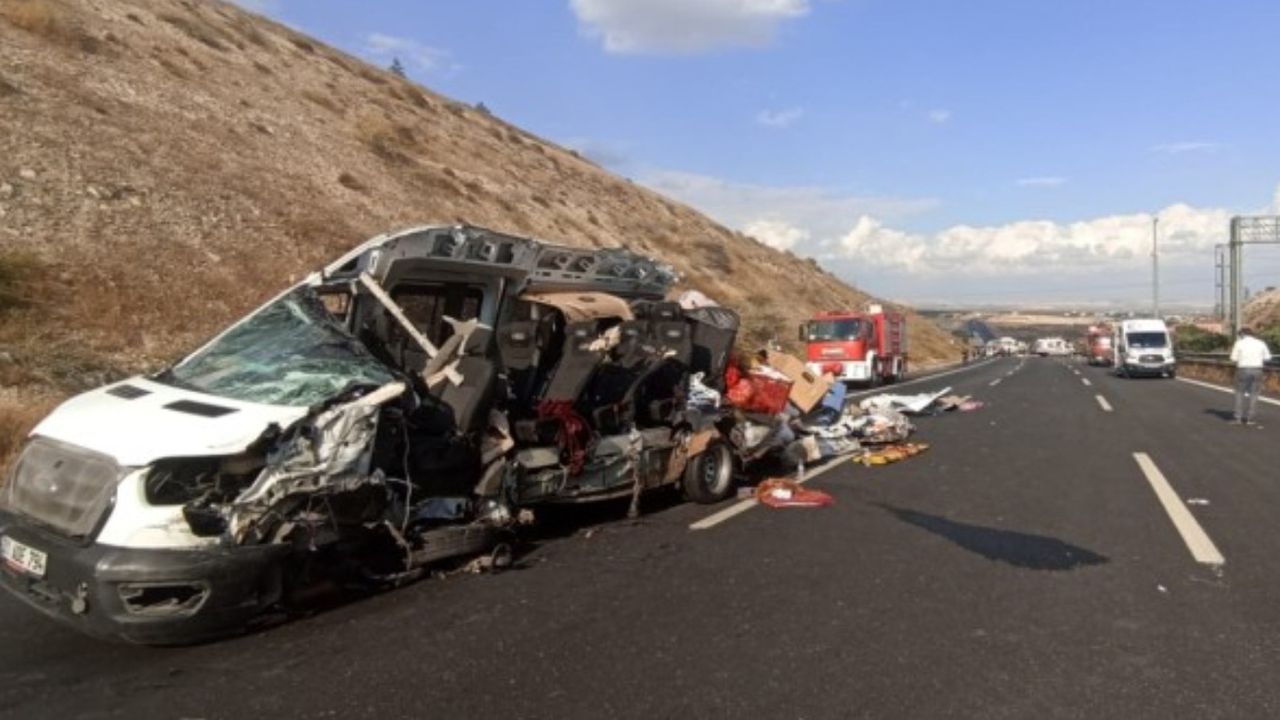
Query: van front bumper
{"x": 1147, "y": 368}
{"x": 152, "y": 597}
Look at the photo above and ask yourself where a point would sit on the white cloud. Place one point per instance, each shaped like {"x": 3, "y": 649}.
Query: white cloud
{"x": 820, "y": 212}
{"x": 1100, "y": 260}
{"x": 939, "y": 116}
{"x": 779, "y": 118}
{"x": 1045, "y": 181}
{"x": 1030, "y": 247}
{"x": 683, "y": 26}
{"x": 1178, "y": 148}
{"x": 422, "y": 57}
{"x": 776, "y": 233}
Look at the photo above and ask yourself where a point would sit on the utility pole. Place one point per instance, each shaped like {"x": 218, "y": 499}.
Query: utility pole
{"x": 1155, "y": 267}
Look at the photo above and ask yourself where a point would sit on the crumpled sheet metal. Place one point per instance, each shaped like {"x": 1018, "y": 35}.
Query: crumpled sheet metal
{"x": 335, "y": 453}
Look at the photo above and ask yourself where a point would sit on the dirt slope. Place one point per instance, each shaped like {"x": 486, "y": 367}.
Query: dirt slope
{"x": 1263, "y": 311}
{"x": 165, "y": 166}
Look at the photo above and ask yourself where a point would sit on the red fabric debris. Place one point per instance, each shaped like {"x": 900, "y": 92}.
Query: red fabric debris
{"x": 573, "y": 434}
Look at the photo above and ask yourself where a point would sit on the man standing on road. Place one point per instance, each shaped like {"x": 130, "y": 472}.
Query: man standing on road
{"x": 1249, "y": 354}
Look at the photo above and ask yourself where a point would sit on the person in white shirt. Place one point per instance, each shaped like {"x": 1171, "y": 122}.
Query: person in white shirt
{"x": 1249, "y": 354}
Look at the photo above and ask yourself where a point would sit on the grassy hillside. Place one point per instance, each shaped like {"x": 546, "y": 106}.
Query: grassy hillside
{"x": 166, "y": 165}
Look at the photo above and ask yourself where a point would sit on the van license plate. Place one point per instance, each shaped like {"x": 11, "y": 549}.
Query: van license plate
{"x": 22, "y": 557}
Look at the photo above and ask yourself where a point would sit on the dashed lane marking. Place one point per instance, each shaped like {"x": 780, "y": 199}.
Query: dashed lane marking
{"x": 1197, "y": 540}
{"x": 1085, "y": 381}
{"x": 995, "y": 382}
{"x": 1102, "y": 402}
{"x": 1220, "y": 388}
{"x": 742, "y": 506}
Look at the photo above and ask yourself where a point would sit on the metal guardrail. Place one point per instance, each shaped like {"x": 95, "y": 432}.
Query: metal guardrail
{"x": 1221, "y": 359}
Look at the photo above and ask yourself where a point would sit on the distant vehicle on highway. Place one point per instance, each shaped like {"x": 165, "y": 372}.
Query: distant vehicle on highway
{"x": 1052, "y": 346}
{"x": 1097, "y": 340}
{"x": 1004, "y": 347}
{"x": 1143, "y": 347}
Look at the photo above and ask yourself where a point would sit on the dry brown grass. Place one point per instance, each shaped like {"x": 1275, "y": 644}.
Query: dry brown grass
{"x": 323, "y": 99}
{"x": 387, "y": 139}
{"x": 202, "y": 31}
{"x": 16, "y": 421}
{"x": 21, "y": 271}
{"x": 51, "y": 21}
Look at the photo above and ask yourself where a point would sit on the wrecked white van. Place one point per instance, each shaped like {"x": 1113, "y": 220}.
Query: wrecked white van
{"x": 397, "y": 409}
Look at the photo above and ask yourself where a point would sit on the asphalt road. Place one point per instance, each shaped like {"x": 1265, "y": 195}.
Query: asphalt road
{"x": 1024, "y": 567}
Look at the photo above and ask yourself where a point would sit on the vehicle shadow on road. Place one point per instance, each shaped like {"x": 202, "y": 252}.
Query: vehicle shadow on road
{"x": 1024, "y": 550}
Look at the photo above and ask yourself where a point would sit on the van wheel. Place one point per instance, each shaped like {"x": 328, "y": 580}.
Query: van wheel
{"x": 1173, "y": 374}
{"x": 709, "y": 477}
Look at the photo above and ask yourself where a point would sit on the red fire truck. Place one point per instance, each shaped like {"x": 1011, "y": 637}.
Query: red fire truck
{"x": 868, "y": 347}
{"x": 1098, "y": 345}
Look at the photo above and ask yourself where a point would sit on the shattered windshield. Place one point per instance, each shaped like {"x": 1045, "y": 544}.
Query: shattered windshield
{"x": 835, "y": 329}
{"x": 291, "y": 352}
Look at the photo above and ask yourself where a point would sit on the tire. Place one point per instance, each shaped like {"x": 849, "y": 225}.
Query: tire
{"x": 1172, "y": 374}
{"x": 709, "y": 477}
{"x": 896, "y": 377}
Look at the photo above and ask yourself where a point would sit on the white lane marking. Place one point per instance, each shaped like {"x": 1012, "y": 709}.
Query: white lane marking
{"x": 719, "y": 517}
{"x": 926, "y": 378}
{"x": 1085, "y": 381}
{"x": 744, "y": 505}
{"x": 1197, "y": 540}
{"x": 1220, "y": 388}
{"x": 1106, "y": 406}
{"x": 995, "y": 382}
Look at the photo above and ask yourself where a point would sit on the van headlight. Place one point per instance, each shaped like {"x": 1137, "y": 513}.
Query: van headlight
{"x": 63, "y": 486}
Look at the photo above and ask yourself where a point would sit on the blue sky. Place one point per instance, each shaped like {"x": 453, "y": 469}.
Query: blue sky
{"x": 989, "y": 150}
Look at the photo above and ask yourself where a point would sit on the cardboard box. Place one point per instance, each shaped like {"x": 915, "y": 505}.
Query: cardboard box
{"x": 807, "y": 388}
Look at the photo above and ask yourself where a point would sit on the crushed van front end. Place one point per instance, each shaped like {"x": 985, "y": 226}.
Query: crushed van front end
{"x": 53, "y": 509}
